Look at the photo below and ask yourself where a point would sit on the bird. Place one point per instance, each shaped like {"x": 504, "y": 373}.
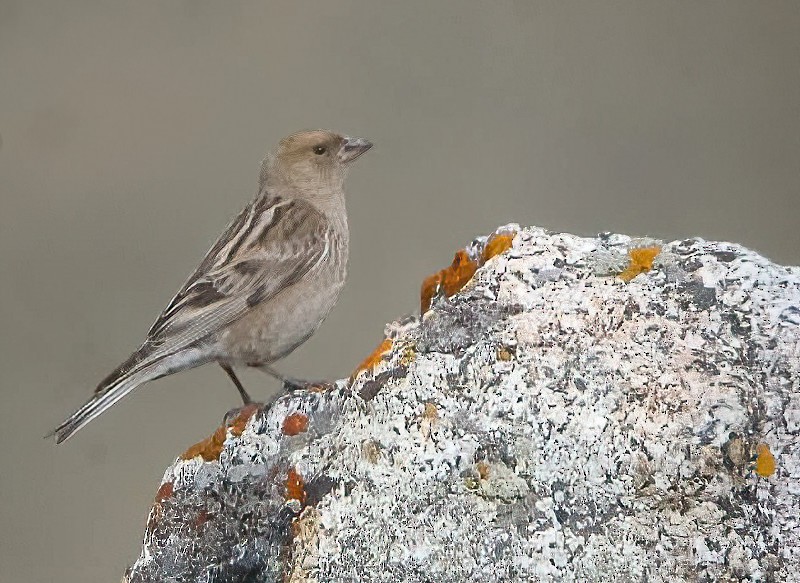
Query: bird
{"x": 263, "y": 288}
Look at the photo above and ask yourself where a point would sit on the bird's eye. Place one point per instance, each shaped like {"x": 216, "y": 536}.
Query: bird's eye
{"x": 320, "y": 150}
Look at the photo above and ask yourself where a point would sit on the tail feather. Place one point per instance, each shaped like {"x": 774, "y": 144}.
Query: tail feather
{"x": 137, "y": 369}
{"x": 141, "y": 367}
{"x": 104, "y": 398}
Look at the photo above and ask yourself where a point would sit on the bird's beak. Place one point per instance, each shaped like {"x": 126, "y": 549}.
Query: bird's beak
{"x": 352, "y": 148}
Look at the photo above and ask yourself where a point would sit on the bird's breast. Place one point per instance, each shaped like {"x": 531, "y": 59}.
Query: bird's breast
{"x": 274, "y": 328}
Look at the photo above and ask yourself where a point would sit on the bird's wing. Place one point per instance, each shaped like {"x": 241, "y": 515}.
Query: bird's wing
{"x": 270, "y": 245}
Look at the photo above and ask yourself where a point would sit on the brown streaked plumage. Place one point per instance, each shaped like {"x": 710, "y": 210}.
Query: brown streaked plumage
{"x": 264, "y": 287}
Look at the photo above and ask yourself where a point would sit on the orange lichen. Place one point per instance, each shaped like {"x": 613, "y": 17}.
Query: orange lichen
{"x": 210, "y": 448}
{"x": 295, "y": 486}
{"x": 504, "y": 353}
{"x": 483, "y": 470}
{"x": 295, "y": 423}
{"x": 765, "y": 461}
{"x": 430, "y": 287}
{"x": 164, "y": 492}
{"x": 157, "y": 512}
{"x": 374, "y": 358}
{"x": 641, "y": 261}
{"x": 240, "y": 422}
{"x": 371, "y": 452}
{"x": 202, "y": 517}
{"x": 458, "y": 274}
{"x": 431, "y": 412}
{"x": 408, "y": 355}
{"x": 497, "y": 244}
{"x": 449, "y": 280}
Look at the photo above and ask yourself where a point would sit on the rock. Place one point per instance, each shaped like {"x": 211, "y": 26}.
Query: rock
{"x": 584, "y": 409}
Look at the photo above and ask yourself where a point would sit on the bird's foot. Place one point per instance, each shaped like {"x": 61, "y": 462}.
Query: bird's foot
{"x": 291, "y": 385}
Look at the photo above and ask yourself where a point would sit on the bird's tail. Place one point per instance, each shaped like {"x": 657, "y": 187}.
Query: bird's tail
{"x": 129, "y": 375}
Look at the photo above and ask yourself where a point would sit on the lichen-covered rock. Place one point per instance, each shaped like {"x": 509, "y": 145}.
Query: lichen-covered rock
{"x": 582, "y": 410}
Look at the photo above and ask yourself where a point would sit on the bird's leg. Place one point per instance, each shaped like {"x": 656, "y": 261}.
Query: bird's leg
{"x": 245, "y": 397}
{"x": 289, "y": 383}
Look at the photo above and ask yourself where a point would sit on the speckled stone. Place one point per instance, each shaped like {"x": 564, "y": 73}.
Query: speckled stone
{"x": 550, "y": 422}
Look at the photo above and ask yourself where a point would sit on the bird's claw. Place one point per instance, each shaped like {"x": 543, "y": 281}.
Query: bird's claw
{"x": 292, "y": 385}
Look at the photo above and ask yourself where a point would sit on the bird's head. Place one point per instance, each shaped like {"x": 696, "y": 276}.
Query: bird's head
{"x": 312, "y": 160}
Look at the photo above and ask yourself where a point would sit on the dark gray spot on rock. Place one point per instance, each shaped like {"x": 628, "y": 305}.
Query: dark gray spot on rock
{"x": 790, "y": 315}
{"x": 725, "y": 256}
{"x": 373, "y": 386}
{"x": 692, "y": 264}
{"x": 686, "y": 247}
{"x": 699, "y": 296}
{"x": 459, "y": 322}
{"x": 318, "y": 488}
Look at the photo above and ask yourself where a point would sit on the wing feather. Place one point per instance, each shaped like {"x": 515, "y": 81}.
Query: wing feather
{"x": 271, "y": 244}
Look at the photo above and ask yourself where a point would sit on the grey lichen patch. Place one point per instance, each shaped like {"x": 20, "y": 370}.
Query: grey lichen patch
{"x": 549, "y": 422}
{"x": 455, "y": 325}
{"x": 496, "y": 481}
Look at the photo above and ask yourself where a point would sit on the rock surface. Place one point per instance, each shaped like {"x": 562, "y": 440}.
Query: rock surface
{"x": 584, "y": 409}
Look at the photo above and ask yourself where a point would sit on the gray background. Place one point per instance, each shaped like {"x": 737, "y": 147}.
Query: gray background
{"x": 132, "y": 132}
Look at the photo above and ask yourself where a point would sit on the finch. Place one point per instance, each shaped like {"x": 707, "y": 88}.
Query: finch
{"x": 264, "y": 287}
